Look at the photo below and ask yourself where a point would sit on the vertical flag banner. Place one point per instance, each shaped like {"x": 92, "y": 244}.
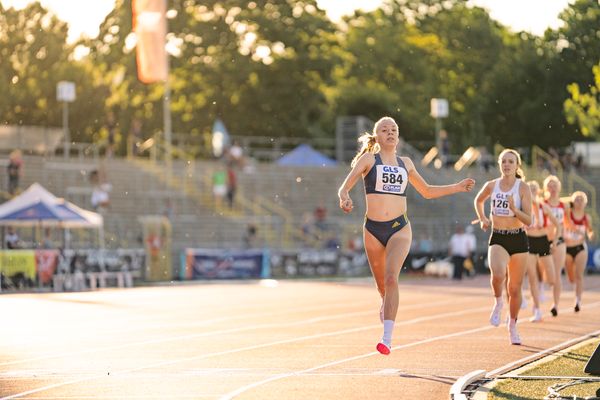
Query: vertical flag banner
{"x": 150, "y": 27}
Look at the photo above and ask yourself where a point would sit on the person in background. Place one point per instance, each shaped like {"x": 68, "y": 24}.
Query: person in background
{"x": 552, "y": 187}
{"x": 251, "y": 237}
{"x": 111, "y": 127}
{"x": 100, "y": 199}
{"x": 12, "y": 239}
{"x": 326, "y": 232}
{"x": 387, "y": 230}
{"x": 470, "y": 261}
{"x": 577, "y": 228}
{"x": 508, "y": 246}
{"x": 459, "y": 249}
{"x": 135, "y": 136}
{"x": 219, "y": 180}
{"x": 542, "y": 222}
{"x": 14, "y": 171}
{"x": 47, "y": 242}
{"x": 231, "y": 184}
{"x": 236, "y": 154}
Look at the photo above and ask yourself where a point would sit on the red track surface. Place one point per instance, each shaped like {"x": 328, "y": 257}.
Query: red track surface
{"x": 298, "y": 340}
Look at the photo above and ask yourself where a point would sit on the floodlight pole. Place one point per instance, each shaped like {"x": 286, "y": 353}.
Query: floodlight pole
{"x": 67, "y": 136}
{"x": 438, "y": 129}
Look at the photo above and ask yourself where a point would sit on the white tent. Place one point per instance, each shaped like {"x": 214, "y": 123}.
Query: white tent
{"x": 37, "y": 206}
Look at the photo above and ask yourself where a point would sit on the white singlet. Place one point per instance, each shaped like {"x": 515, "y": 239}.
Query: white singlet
{"x": 499, "y": 199}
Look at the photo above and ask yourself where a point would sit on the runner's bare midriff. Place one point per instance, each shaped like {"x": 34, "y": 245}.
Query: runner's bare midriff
{"x": 506, "y": 223}
{"x": 385, "y": 207}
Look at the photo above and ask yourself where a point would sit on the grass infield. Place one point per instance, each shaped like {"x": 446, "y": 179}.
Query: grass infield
{"x": 570, "y": 363}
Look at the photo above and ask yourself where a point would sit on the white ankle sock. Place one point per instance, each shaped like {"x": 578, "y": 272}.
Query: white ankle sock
{"x": 388, "y": 328}
{"x": 499, "y": 301}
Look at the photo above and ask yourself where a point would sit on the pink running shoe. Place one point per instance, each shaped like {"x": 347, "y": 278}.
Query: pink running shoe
{"x": 383, "y": 348}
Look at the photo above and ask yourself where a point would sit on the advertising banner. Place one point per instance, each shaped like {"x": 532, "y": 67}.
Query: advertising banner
{"x": 13, "y": 262}
{"x": 593, "y": 264}
{"x": 224, "y": 264}
{"x": 46, "y": 261}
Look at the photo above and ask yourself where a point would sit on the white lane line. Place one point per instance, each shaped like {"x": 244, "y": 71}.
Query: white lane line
{"x": 241, "y": 390}
{"x": 260, "y": 346}
{"x": 387, "y": 371}
{"x": 214, "y": 333}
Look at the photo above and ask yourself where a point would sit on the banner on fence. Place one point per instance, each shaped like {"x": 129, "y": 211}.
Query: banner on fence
{"x": 594, "y": 259}
{"x": 46, "y": 261}
{"x": 13, "y": 262}
{"x": 224, "y": 264}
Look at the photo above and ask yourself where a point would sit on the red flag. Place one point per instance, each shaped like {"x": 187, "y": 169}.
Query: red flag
{"x": 150, "y": 27}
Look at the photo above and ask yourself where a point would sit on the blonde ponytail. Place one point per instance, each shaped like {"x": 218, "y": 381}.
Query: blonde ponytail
{"x": 369, "y": 145}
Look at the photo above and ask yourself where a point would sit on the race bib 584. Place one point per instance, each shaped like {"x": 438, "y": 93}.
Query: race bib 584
{"x": 391, "y": 179}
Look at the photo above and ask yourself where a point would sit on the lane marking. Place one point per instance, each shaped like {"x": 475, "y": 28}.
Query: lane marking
{"x": 265, "y": 345}
{"x": 243, "y": 389}
{"x": 281, "y": 376}
{"x": 218, "y": 332}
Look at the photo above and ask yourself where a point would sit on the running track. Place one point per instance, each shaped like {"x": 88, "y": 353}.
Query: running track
{"x": 251, "y": 340}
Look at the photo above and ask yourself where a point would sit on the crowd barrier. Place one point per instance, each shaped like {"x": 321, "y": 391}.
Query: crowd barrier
{"x": 71, "y": 269}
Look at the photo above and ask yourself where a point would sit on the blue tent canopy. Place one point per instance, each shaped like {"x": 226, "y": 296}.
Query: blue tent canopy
{"x": 304, "y": 155}
{"x": 37, "y": 205}
{"x": 43, "y": 211}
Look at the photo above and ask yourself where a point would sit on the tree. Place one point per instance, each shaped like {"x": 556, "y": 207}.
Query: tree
{"x": 35, "y": 58}
{"x": 584, "y": 108}
{"x": 259, "y": 66}
{"x": 404, "y": 54}
{"x": 516, "y": 109}
{"x": 472, "y": 44}
{"x": 574, "y": 50}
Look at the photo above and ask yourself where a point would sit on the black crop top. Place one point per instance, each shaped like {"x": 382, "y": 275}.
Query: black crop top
{"x": 386, "y": 179}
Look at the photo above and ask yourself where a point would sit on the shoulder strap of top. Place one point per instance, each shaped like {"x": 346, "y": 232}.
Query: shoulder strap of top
{"x": 517, "y": 186}
{"x": 400, "y": 162}
{"x": 378, "y": 159}
{"x": 496, "y": 185}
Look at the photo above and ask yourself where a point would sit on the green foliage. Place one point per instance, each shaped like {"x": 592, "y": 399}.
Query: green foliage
{"x": 35, "y": 57}
{"x": 284, "y": 69}
{"x": 584, "y": 108}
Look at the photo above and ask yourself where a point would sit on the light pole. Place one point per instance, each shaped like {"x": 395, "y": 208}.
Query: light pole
{"x": 65, "y": 92}
{"x": 439, "y": 110}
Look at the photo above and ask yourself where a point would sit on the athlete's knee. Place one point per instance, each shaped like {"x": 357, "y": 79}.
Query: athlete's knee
{"x": 514, "y": 290}
{"x": 391, "y": 281}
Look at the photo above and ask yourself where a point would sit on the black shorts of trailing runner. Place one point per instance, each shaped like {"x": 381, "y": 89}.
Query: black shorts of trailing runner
{"x": 512, "y": 240}
{"x": 539, "y": 245}
{"x": 574, "y": 250}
